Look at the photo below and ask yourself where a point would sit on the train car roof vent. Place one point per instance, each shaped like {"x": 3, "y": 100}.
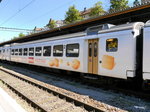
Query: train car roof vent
{"x": 95, "y": 29}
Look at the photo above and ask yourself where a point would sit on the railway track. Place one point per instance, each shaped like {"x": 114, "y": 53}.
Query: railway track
{"x": 48, "y": 98}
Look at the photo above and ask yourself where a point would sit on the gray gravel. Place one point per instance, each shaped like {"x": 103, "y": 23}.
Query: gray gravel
{"x": 115, "y": 99}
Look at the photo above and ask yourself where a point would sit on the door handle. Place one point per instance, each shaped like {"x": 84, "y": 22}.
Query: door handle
{"x": 100, "y": 61}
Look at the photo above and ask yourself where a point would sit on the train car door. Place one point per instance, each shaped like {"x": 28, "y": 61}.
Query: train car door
{"x": 93, "y": 56}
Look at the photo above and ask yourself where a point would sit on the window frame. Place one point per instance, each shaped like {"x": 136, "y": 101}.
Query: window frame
{"x": 36, "y": 51}
{"x": 12, "y": 51}
{"x": 20, "y": 53}
{"x": 30, "y": 50}
{"x": 48, "y": 52}
{"x": 25, "y": 53}
{"x": 108, "y": 44}
{"x": 54, "y": 54}
{"x": 71, "y": 54}
{"x": 16, "y": 54}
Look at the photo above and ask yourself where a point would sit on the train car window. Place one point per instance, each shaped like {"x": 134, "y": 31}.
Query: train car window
{"x": 47, "y": 51}
{"x": 16, "y": 51}
{"x": 38, "y": 51}
{"x": 12, "y": 52}
{"x": 90, "y": 49}
{"x": 31, "y": 51}
{"x": 95, "y": 49}
{"x": 20, "y": 52}
{"x": 25, "y": 52}
{"x": 112, "y": 45}
{"x": 58, "y": 50}
{"x": 72, "y": 50}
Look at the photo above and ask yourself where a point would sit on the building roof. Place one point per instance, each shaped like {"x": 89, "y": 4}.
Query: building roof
{"x": 86, "y": 11}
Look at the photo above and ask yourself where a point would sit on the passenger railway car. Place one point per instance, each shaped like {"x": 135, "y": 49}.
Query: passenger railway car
{"x": 107, "y": 50}
{"x": 146, "y": 53}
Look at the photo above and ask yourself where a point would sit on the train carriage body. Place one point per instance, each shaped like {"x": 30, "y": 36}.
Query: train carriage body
{"x": 146, "y": 52}
{"x": 66, "y": 54}
{"x": 111, "y": 52}
{"x": 5, "y": 52}
{"x": 116, "y": 52}
{"x": 120, "y": 51}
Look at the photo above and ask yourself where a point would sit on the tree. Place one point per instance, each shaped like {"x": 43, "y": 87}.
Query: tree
{"x": 51, "y": 24}
{"x": 97, "y": 9}
{"x": 118, "y": 4}
{"x": 19, "y": 35}
{"x": 72, "y": 15}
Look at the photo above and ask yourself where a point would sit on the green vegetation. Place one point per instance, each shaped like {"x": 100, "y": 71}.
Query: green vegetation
{"x": 118, "y": 5}
{"x": 20, "y": 35}
{"x": 51, "y": 24}
{"x": 97, "y": 9}
{"x": 72, "y": 15}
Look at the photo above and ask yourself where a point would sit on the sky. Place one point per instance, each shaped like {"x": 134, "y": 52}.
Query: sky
{"x": 26, "y": 14}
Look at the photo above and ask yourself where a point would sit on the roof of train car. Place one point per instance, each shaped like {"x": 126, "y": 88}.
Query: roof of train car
{"x": 147, "y": 23}
{"x": 138, "y": 13}
{"x": 80, "y": 34}
{"x": 134, "y": 25}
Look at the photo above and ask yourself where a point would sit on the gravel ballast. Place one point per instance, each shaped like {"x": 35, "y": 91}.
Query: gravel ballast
{"x": 115, "y": 99}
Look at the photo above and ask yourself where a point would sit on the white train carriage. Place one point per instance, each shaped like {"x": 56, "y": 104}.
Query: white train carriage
{"x": 115, "y": 54}
{"x": 118, "y": 51}
{"x": 5, "y": 52}
{"x": 67, "y": 54}
{"x": 146, "y": 53}
{"x": 112, "y": 52}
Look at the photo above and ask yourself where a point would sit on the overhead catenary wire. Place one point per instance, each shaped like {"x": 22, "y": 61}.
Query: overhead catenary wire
{"x": 15, "y": 29}
{"x": 17, "y": 12}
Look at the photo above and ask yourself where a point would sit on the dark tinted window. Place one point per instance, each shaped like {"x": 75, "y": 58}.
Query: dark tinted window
{"x": 20, "y": 52}
{"x": 16, "y": 51}
{"x": 25, "y": 51}
{"x": 95, "y": 49}
{"x": 112, "y": 45}
{"x": 58, "y": 50}
{"x": 38, "y": 51}
{"x": 12, "y": 52}
{"x": 90, "y": 49}
{"x": 47, "y": 51}
{"x": 31, "y": 51}
{"x": 72, "y": 50}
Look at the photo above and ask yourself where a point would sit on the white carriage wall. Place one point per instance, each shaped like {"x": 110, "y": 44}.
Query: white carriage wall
{"x": 66, "y": 63}
{"x": 123, "y": 58}
{"x": 146, "y": 53}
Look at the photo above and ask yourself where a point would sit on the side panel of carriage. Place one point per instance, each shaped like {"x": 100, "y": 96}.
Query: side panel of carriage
{"x": 117, "y": 52}
{"x": 146, "y": 52}
{"x": 5, "y": 53}
{"x": 64, "y": 54}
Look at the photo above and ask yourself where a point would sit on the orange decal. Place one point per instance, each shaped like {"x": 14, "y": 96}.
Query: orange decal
{"x": 108, "y": 62}
{"x": 68, "y": 64}
{"x": 51, "y": 63}
{"x": 54, "y": 62}
{"x": 75, "y": 64}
